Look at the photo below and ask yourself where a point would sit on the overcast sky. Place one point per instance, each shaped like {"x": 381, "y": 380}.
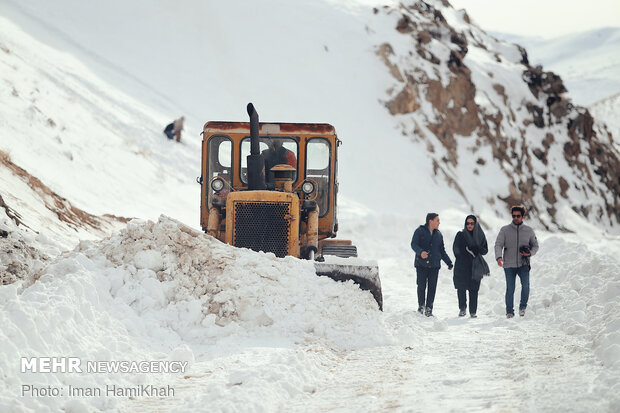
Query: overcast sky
{"x": 544, "y": 18}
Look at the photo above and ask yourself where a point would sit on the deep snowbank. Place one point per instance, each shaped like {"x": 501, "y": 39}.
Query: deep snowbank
{"x": 154, "y": 289}
{"x": 582, "y": 296}
{"x": 576, "y": 291}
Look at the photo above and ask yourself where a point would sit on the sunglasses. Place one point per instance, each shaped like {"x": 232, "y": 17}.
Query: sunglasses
{"x": 516, "y": 216}
{"x": 470, "y": 223}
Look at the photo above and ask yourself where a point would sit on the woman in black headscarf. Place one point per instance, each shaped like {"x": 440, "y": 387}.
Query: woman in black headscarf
{"x": 469, "y": 245}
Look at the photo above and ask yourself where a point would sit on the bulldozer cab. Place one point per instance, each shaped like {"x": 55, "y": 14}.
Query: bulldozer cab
{"x": 311, "y": 149}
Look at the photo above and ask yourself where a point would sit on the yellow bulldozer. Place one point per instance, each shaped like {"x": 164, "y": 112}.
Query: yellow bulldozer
{"x": 273, "y": 187}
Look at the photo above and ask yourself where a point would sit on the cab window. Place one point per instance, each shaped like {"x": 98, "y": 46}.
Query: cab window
{"x": 219, "y": 153}
{"x": 275, "y": 151}
{"x": 318, "y": 170}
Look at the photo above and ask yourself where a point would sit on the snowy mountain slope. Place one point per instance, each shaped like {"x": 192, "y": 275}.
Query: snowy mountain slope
{"x": 589, "y": 65}
{"x": 606, "y": 110}
{"x": 341, "y": 80}
{"x": 341, "y": 100}
{"x": 98, "y": 153}
{"x": 88, "y": 141}
{"x": 588, "y": 62}
{"x": 36, "y": 223}
{"x": 498, "y": 129}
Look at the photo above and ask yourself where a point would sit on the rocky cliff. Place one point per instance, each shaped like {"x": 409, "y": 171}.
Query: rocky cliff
{"x": 496, "y": 128}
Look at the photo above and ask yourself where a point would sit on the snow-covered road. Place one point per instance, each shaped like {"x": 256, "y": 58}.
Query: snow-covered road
{"x": 265, "y": 334}
{"x": 447, "y": 363}
{"x": 545, "y": 361}
{"x": 471, "y": 366}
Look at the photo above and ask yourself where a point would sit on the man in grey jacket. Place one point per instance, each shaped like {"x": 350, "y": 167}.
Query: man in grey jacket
{"x": 514, "y": 246}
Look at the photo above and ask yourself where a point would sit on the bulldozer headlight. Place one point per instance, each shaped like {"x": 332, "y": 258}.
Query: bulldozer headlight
{"x": 217, "y": 184}
{"x": 307, "y": 187}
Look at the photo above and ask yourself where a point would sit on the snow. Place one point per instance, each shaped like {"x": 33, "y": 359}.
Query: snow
{"x": 252, "y": 324}
{"x": 262, "y": 333}
{"x": 588, "y": 62}
{"x": 155, "y": 289}
{"x": 544, "y": 19}
{"x": 330, "y": 71}
{"x": 605, "y": 111}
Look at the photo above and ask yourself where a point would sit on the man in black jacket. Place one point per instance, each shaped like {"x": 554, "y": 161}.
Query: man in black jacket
{"x": 427, "y": 242}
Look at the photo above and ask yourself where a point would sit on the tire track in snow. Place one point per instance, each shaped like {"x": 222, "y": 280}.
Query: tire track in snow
{"x": 445, "y": 364}
{"x": 474, "y": 365}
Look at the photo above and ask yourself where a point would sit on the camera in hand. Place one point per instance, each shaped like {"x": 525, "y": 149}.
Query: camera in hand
{"x": 524, "y": 249}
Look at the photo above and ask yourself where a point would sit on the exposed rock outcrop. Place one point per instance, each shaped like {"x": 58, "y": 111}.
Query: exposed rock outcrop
{"x": 64, "y": 210}
{"x": 21, "y": 255}
{"x": 548, "y": 150}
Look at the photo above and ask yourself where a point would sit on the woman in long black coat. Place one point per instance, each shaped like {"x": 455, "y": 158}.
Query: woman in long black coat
{"x": 468, "y": 243}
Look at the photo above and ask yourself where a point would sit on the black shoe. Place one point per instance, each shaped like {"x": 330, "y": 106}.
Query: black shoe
{"x": 510, "y": 315}
{"x": 522, "y": 312}
{"x": 428, "y": 312}
{"x": 421, "y": 309}
{"x": 462, "y": 313}
{"x": 473, "y": 315}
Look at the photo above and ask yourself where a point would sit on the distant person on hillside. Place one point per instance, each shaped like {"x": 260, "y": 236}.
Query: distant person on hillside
{"x": 514, "y": 246}
{"x": 173, "y": 129}
{"x": 427, "y": 242}
{"x": 178, "y": 127}
{"x": 469, "y": 246}
{"x": 169, "y": 130}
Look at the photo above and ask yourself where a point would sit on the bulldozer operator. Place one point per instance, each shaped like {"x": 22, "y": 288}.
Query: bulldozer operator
{"x": 276, "y": 154}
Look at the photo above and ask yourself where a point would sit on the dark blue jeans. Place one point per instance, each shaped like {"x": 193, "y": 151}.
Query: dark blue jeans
{"x": 426, "y": 276}
{"x": 511, "y": 276}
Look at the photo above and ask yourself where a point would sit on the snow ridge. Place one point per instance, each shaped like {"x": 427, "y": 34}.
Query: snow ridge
{"x": 152, "y": 289}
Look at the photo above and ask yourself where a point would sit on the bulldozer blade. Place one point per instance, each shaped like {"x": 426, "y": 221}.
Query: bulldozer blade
{"x": 366, "y": 276}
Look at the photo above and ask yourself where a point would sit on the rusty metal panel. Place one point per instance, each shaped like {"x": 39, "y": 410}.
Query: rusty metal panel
{"x": 268, "y": 127}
